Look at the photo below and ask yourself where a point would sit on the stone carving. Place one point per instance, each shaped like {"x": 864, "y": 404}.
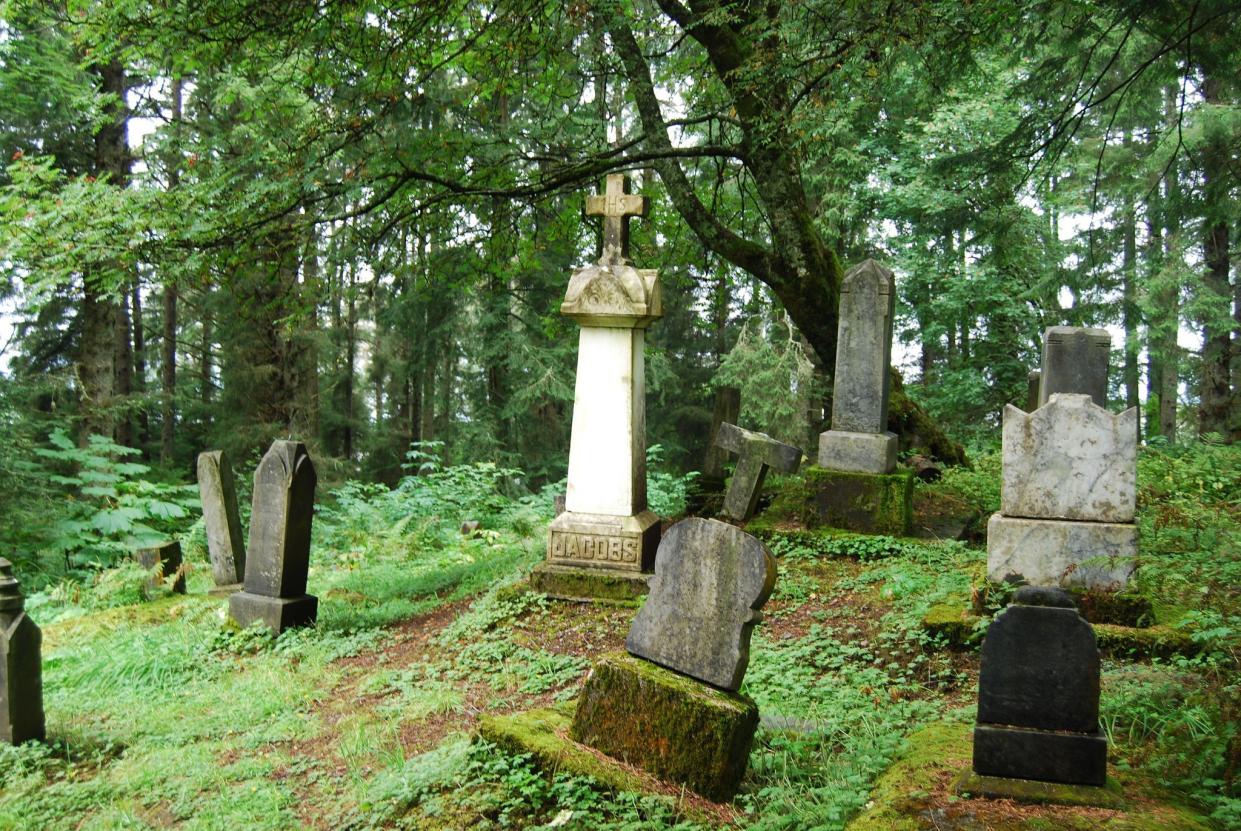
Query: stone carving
{"x": 757, "y": 452}
{"x": 858, "y": 440}
{"x": 1075, "y": 361}
{"x": 168, "y": 557}
{"x": 225, "y": 544}
{"x": 1038, "y": 694}
{"x": 21, "y": 665}
{"x": 711, "y": 579}
{"x": 279, "y": 550}
{"x": 616, "y": 205}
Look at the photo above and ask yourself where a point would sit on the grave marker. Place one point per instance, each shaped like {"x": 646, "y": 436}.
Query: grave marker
{"x": 756, "y": 453}
{"x": 1075, "y": 361}
{"x": 168, "y": 557}
{"x": 225, "y": 544}
{"x": 21, "y": 665}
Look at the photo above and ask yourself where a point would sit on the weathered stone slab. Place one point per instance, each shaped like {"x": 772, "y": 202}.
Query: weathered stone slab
{"x": 710, "y": 580}
{"x": 1034, "y": 381}
{"x": 1038, "y": 694}
{"x": 225, "y": 544}
{"x": 757, "y": 453}
{"x": 864, "y": 349}
{"x": 168, "y": 557}
{"x": 865, "y": 502}
{"x": 858, "y": 452}
{"x": 279, "y": 553}
{"x": 1075, "y": 360}
{"x": 1048, "y": 552}
{"x": 589, "y": 584}
{"x": 21, "y": 665}
{"x": 1070, "y": 459}
{"x": 608, "y": 541}
{"x": 671, "y": 726}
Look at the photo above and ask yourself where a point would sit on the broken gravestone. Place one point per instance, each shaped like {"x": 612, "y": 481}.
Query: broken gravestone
{"x": 225, "y": 544}
{"x": 279, "y": 551}
{"x": 21, "y": 667}
{"x": 670, "y": 706}
{"x": 757, "y": 453}
{"x": 167, "y": 556}
{"x": 1038, "y": 694}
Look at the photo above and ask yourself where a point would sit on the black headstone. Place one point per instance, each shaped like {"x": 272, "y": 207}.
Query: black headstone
{"x": 21, "y": 667}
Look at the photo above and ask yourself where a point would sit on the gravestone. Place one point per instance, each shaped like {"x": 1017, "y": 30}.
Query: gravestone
{"x": 225, "y": 544}
{"x": 21, "y": 665}
{"x": 670, "y": 706}
{"x": 168, "y": 557}
{"x": 1075, "y": 361}
{"x": 606, "y": 537}
{"x": 1068, "y": 496}
{"x": 727, "y": 409}
{"x": 757, "y": 453}
{"x": 1038, "y": 694}
{"x": 279, "y": 552}
{"x": 1033, "y": 382}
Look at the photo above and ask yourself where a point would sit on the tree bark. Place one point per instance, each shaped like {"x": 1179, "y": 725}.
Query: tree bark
{"x": 1215, "y": 398}
{"x": 168, "y": 331}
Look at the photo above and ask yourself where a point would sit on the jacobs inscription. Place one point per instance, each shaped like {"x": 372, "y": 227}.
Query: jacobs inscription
{"x": 594, "y": 548}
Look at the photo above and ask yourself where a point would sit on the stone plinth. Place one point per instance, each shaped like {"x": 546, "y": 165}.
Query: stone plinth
{"x": 1070, "y": 459}
{"x": 864, "y": 502}
{"x": 1047, "y": 552}
{"x": 21, "y": 666}
{"x": 168, "y": 558}
{"x": 1075, "y": 360}
{"x": 624, "y": 542}
{"x": 671, "y": 726}
{"x": 589, "y": 584}
{"x": 279, "y": 550}
{"x": 858, "y": 452}
{"x": 225, "y": 544}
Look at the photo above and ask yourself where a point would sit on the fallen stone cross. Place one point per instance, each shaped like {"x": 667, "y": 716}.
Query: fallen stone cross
{"x": 757, "y": 452}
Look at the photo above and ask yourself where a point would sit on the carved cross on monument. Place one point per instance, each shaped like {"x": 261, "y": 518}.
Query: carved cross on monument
{"x": 757, "y": 452}
{"x": 616, "y": 204}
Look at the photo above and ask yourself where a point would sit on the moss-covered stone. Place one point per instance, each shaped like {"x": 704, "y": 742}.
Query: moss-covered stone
{"x": 1113, "y": 607}
{"x": 598, "y": 585}
{"x": 674, "y": 727}
{"x": 954, "y": 623}
{"x": 865, "y": 502}
{"x": 1148, "y": 642}
{"x": 1040, "y": 793}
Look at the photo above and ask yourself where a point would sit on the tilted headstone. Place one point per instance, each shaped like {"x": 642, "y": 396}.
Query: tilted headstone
{"x": 168, "y": 557}
{"x": 1075, "y": 361}
{"x": 278, "y": 558}
{"x": 225, "y": 544}
{"x": 21, "y": 665}
{"x": 711, "y": 579}
{"x": 858, "y": 440}
{"x": 727, "y": 409}
{"x": 757, "y": 453}
{"x": 1034, "y": 380}
{"x": 1038, "y": 694}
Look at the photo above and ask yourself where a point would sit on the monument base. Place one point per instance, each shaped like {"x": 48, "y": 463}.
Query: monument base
{"x": 589, "y": 584}
{"x": 1040, "y": 793}
{"x": 604, "y": 541}
{"x": 858, "y": 452}
{"x": 866, "y": 502}
{"x": 276, "y": 613}
{"x": 1024, "y": 753}
{"x": 226, "y": 590}
{"x": 1053, "y": 552}
{"x": 692, "y": 733}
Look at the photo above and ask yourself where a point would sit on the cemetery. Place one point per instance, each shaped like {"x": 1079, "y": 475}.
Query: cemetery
{"x": 684, "y": 415}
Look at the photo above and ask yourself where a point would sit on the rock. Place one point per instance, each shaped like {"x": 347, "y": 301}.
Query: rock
{"x": 470, "y": 527}
{"x": 758, "y": 452}
{"x": 168, "y": 557}
{"x": 279, "y": 551}
{"x": 1075, "y": 361}
{"x": 710, "y": 581}
{"x": 218, "y": 492}
{"x": 1091, "y": 555}
{"x": 21, "y": 665}
{"x": 671, "y": 726}
{"x": 1070, "y": 459}
{"x": 925, "y": 468}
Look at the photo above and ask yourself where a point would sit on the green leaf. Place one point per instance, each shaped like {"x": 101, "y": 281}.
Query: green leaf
{"x": 116, "y": 520}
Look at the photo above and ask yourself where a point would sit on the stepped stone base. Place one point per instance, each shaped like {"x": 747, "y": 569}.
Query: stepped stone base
{"x": 690, "y": 733}
{"x": 276, "y": 613}
{"x": 858, "y": 452}
{"x": 1040, "y": 793}
{"x": 1070, "y": 554}
{"x": 1024, "y": 753}
{"x": 624, "y": 543}
{"x": 872, "y": 503}
{"x": 589, "y": 584}
{"x": 225, "y": 591}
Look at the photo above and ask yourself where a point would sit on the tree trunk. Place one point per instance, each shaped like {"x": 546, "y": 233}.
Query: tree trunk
{"x": 124, "y": 373}
{"x": 140, "y": 371}
{"x": 1215, "y": 398}
{"x": 1129, "y": 305}
{"x": 168, "y": 332}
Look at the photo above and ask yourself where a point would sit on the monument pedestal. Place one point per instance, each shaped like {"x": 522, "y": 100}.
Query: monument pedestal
{"x": 858, "y": 452}
{"x": 276, "y": 613}
{"x": 672, "y": 726}
{"x": 869, "y": 503}
{"x": 1050, "y": 552}
{"x": 1025, "y": 753}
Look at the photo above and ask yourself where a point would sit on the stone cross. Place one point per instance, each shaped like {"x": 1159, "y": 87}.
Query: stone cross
{"x": 225, "y": 543}
{"x": 757, "y": 452}
{"x": 616, "y": 205}
{"x": 711, "y": 579}
{"x": 1038, "y": 694}
{"x": 279, "y": 550}
{"x": 1075, "y": 361}
{"x": 21, "y": 665}
{"x": 168, "y": 557}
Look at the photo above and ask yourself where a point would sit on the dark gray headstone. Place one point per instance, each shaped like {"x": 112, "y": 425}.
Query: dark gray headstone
{"x": 1034, "y": 380}
{"x": 168, "y": 557}
{"x": 1075, "y": 361}
{"x": 864, "y": 350}
{"x": 278, "y": 558}
{"x": 757, "y": 452}
{"x": 710, "y": 581}
{"x": 225, "y": 543}
{"x": 21, "y": 665}
{"x": 1038, "y": 694}
{"x": 727, "y": 409}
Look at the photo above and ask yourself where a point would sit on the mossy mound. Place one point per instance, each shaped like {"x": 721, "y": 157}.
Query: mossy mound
{"x": 919, "y": 793}
{"x": 674, "y": 727}
{"x": 865, "y": 502}
{"x": 954, "y": 624}
{"x": 595, "y": 585}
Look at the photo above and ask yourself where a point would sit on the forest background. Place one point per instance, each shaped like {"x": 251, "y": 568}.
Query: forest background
{"x": 353, "y": 223}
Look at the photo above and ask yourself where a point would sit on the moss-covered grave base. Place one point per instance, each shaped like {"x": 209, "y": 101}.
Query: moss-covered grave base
{"x": 870, "y": 503}
{"x": 1040, "y": 793}
{"x": 589, "y": 585}
{"x": 676, "y": 728}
